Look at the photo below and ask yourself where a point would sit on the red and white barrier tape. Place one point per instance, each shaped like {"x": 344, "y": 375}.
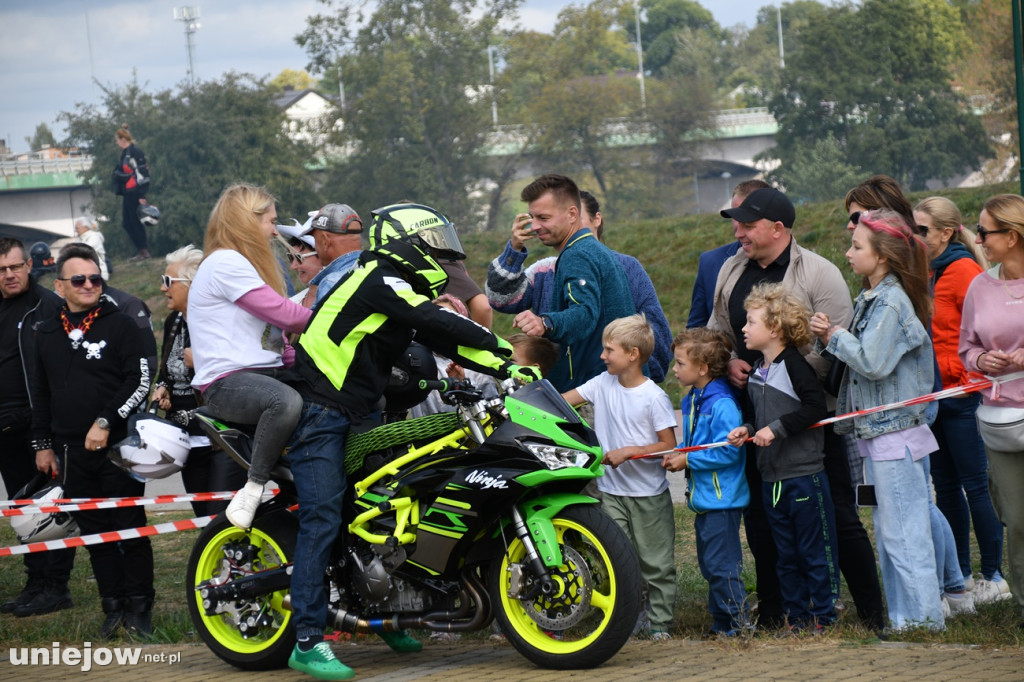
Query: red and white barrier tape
{"x": 159, "y": 499}
{"x": 952, "y": 392}
{"x": 111, "y": 536}
{"x": 55, "y": 506}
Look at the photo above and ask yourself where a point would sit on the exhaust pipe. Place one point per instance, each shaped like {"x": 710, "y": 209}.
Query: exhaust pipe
{"x": 475, "y": 605}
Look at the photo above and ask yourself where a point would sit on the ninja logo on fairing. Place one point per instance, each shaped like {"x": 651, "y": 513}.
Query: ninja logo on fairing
{"x": 485, "y": 480}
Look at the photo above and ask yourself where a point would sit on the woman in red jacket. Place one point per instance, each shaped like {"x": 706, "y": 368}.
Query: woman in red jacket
{"x": 959, "y": 466}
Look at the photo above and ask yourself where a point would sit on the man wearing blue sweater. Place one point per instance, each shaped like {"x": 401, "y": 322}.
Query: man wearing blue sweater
{"x": 589, "y": 289}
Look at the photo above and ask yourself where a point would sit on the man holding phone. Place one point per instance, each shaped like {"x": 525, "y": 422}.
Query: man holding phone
{"x": 589, "y": 288}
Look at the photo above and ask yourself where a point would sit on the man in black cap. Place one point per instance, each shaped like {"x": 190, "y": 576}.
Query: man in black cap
{"x": 762, "y": 224}
{"x": 337, "y": 231}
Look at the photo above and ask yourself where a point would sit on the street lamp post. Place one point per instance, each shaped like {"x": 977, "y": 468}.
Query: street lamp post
{"x": 640, "y": 60}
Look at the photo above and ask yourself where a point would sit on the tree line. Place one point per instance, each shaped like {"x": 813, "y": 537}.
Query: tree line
{"x": 916, "y": 89}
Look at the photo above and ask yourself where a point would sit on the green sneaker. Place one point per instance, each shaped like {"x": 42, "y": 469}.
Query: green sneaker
{"x": 401, "y": 642}
{"x": 320, "y": 662}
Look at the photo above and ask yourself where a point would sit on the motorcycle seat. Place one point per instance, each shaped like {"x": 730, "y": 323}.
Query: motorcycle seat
{"x": 242, "y": 446}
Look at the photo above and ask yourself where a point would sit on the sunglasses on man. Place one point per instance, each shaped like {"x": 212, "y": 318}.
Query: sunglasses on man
{"x": 78, "y": 281}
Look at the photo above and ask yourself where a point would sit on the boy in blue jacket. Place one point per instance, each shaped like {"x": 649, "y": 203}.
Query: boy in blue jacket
{"x": 718, "y": 491}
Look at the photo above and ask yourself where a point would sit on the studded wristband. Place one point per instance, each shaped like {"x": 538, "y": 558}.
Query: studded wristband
{"x": 42, "y": 444}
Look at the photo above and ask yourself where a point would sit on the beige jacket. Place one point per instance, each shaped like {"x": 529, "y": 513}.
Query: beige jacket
{"x": 813, "y": 279}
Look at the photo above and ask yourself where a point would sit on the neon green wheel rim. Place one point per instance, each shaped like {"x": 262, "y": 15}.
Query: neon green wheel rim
{"x": 602, "y": 596}
{"x": 209, "y": 566}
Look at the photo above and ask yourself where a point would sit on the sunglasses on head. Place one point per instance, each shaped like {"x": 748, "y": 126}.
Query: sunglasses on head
{"x": 78, "y": 281}
{"x": 299, "y": 257}
{"x": 167, "y": 280}
{"x": 983, "y": 233}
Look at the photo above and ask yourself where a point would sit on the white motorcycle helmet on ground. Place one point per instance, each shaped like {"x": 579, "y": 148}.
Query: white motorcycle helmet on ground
{"x": 42, "y": 527}
{"x": 154, "y": 448}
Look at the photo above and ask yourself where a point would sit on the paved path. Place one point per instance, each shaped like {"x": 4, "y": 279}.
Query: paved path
{"x": 677, "y": 660}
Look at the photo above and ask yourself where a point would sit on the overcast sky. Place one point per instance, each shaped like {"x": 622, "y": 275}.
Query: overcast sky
{"x": 51, "y": 50}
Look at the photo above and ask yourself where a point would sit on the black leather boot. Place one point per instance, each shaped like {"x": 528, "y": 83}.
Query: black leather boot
{"x": 53, "y": 597}
{"x": 33, "y": 587}
{"x": 114, "y": 608}
{"x": 138, "y": 616}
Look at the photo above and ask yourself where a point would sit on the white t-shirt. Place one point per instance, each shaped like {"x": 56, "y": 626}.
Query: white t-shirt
{"x": 629, "y": 416}
{"x": 225, "y": 338}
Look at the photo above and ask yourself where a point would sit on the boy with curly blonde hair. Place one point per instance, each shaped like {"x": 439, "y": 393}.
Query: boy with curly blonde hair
{"x": 787, "y": 399}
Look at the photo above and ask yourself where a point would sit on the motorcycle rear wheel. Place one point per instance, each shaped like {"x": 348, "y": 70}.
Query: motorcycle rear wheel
{"x": 596, "y": 605}
{"x": 269, "y": 647}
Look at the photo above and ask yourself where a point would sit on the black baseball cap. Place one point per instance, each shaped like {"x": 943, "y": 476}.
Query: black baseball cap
{"x": 768, "y": 203}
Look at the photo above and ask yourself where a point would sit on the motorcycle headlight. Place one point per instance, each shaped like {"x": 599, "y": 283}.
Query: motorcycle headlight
{"x": 556, "y": 457}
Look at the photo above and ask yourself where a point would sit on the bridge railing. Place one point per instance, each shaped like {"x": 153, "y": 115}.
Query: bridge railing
{"x": 71, "y": 164}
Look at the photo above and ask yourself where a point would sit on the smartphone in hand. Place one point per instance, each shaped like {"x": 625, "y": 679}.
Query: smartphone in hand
{"x": 866, "y": 496}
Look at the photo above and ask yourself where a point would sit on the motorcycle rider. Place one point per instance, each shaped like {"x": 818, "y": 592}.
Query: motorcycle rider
{"x": 343, "y": 362}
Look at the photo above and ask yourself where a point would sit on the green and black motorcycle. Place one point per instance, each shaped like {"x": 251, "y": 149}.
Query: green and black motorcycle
{"x": 454, "y": 519}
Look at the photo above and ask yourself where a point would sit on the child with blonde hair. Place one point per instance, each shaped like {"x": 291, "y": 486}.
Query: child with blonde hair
{"x": 787, "y": 399}
{"x": 633, "y": 416}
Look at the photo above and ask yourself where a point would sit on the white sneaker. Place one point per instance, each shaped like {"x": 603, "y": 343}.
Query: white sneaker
{"x": 969, "y": 583}
{"x": 989, "y": 591}
{"x": 243, "y": 505}
{"x": 955, "y": 603}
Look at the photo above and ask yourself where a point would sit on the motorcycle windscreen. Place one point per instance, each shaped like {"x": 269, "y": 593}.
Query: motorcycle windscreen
{"x": 544, "y": 396}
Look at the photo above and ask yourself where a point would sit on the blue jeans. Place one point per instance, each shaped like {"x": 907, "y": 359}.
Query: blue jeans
{"x": 903, "y": 537}
{"x": 947, "y": 568}
{"x": 960, "y": 466}
{"x": 720, "y": 558}
{"x": 803, "y": 524}
{"x": 256, "y": 397}
{"x": 317, "y": 457}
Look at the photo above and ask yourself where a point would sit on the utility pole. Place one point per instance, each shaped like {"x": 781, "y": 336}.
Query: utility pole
{"x": 782, "y": 54}
{"x": 640, "y": 60}
{"x": 189, "y": 16}
{"x": 1018, "y": 61}
{"x": 494, "y": 102}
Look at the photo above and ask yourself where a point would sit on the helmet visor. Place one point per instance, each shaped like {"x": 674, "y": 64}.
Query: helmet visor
{"x": 444, "y": 240}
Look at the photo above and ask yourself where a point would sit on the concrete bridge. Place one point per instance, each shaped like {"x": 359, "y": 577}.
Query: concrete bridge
{"x": 725, "y": 157}
{"x": 40, "y": 198}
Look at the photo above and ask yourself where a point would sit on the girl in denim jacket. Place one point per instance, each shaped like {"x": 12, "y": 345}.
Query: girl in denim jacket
{"x": 889, "y": 358}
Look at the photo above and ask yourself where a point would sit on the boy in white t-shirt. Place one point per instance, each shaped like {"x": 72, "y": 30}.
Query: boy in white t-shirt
{"x": 633, "y": 416}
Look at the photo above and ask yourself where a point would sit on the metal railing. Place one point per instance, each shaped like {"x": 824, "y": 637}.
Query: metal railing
{"x": 72, "y": 164}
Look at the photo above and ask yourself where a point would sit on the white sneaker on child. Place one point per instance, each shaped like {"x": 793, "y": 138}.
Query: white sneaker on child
{"x": 989, "y": 591}
{"x": 243, "y": 505}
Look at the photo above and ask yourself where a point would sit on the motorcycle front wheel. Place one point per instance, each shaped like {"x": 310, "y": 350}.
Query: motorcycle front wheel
{"x": 594, "y": 608}
{"x": 250, "y": 633}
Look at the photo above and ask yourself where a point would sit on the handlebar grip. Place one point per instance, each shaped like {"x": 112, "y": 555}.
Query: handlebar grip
{"x": 441, "y": 386}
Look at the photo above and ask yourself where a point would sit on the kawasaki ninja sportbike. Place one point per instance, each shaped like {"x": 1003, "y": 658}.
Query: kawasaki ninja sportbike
{"x": 454, "y": 519}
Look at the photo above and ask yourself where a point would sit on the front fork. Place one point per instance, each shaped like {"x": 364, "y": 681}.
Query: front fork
{"x": 536, "y": 530}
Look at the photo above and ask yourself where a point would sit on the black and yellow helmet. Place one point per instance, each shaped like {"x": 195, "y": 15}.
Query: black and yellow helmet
{"x": 416, "y": 266}
{"x": 419, "y": 225}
